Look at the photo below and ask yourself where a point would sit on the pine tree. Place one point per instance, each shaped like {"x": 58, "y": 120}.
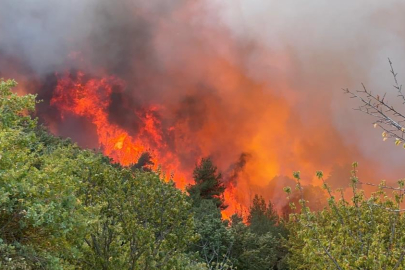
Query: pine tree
{"x": 258, "y": 245}
{"x": 208, "y": 184}
{"x": 262, "y": 218}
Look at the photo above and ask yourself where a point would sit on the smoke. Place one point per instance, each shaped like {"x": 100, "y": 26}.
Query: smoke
{"x": 234, "y": 171}
{"x": 328, "y": 46}
{"x": 256, "y": 85}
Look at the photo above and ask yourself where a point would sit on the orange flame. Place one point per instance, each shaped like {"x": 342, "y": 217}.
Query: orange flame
{"x": 90, "y": 99}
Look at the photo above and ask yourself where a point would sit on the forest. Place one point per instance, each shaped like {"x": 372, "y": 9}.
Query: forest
{"x": 64, "y": 207}
{"x": 202, "y": 135}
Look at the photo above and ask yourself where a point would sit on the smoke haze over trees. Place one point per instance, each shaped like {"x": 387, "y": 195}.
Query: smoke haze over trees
{"x": 224, "y": 78}
{"x": 196, "y": 113}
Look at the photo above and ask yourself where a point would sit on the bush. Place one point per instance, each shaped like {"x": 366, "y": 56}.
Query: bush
{"x": 62, "y": 207}
{"x": 363, "y": 233}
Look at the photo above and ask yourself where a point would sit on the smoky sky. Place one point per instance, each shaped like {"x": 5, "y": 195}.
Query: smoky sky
{"x": 327, "y": 46}
{"x": 223, "y": 70}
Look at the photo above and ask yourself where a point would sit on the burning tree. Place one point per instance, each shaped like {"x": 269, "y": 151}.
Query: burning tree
{"x": 389, "y": 119}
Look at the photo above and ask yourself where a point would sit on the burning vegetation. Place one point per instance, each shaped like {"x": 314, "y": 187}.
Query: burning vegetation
{"x": 143, "y": 79}
{"x": 203, "y": 119}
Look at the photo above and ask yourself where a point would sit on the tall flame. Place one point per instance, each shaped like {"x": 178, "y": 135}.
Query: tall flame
{"x": 190, "y": 79}
{"x": 91, "y": 98}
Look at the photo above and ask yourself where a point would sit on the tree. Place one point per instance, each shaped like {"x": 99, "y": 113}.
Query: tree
{"x": 262, "y": 218}
{"x": 388, "y": 118}
{"x": 62, "y": 207}
{"x": 363, "y": 233}
{"x": 360, "y": 232}
{"x": 216, "y": 239}
{"x": 208, "y": 184}
{"x": 144, "y": 162}
{"x": 258, "y": 245}
{"x": 42, "y": 221}
{"x": 259, "y": 252}
{"x": 144, "y": 224}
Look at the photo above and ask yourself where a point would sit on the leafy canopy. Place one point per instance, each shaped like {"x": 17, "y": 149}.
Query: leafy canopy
{"x": 361, "y": 233}
{"x": 62, "y": 207}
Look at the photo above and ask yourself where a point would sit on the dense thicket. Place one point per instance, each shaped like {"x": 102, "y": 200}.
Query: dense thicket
{"x": 255, "y": 244}
{"x": 259, "y": 244}
{"x": 62, "y": 207}
{"x": 360, "y": 233}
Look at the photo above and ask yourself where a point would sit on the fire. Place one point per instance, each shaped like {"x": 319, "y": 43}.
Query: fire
{"x": 175, "y": 82}
{"x": 239, "y": 116}
{"x": 178, "y": 135}
{"x": 90, "y": 98}
{"x": 234, "y": 206}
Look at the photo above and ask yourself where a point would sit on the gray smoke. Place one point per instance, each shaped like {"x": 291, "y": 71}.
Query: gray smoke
{"x": 175, "y": 52}
{"x": 325, "y": 46}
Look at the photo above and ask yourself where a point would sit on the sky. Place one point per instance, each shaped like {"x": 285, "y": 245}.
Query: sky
{"x": 260, "y": 80}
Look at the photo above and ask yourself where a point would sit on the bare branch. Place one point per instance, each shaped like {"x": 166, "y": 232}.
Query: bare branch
{"x": 383, "y": 187}
{"x": 397, "y": 86}
{"x": 388, "y": 118}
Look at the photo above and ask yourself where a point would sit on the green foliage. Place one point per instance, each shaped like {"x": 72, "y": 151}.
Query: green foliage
{"x": 13, "y": 108}
{"x": 41, "y": 218}
{"x": 262, "y": 218}
{"x": 258, "y": 245}
{"x": 145, "y": 224}
{"x": 255, "y": 246}
{"x": 363, "y": 233}
{"x": 208, "y": 184}
{"x": 259, "y": 252}
{"x": 66, "y": 208}
{"x": 250, "y": 250}
{"x": 215, "y": 237}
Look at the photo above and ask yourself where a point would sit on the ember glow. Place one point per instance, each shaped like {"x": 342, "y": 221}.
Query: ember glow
{"x": 259, "y": 94}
